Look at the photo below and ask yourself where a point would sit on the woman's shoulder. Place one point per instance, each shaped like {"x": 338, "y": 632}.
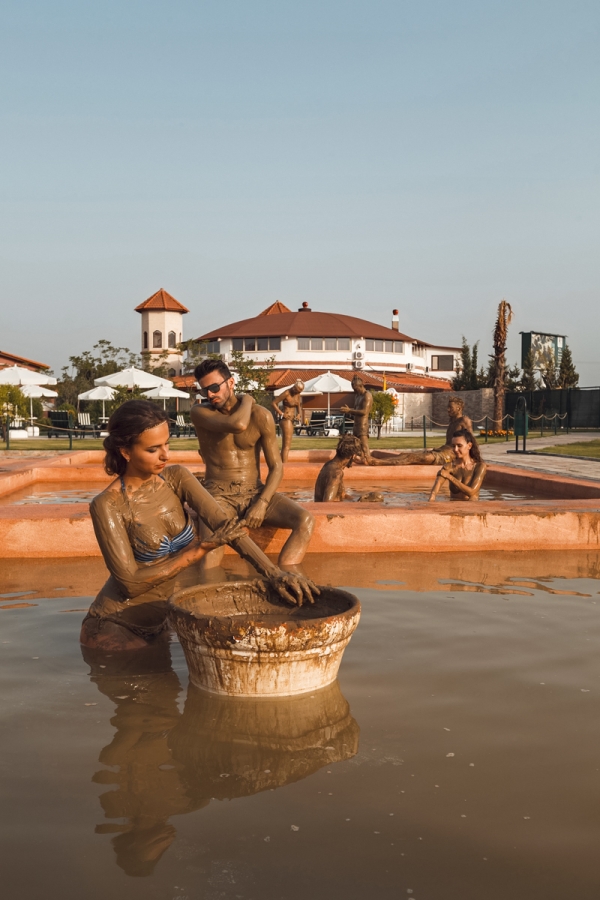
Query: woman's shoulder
{"x": 110, "y": 498}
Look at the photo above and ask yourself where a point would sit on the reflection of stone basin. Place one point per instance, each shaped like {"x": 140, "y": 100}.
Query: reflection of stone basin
{"x": 229, "y": 747}
{"x": 241, "y": 641}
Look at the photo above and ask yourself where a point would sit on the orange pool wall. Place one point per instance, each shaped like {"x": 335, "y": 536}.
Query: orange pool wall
{"x": 569, "y": 521}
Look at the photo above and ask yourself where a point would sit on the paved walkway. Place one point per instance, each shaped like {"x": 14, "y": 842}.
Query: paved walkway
{"x": 551, "y": 465}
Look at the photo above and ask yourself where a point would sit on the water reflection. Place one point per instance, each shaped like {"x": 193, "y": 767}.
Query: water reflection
{"x": 165, "y": 763}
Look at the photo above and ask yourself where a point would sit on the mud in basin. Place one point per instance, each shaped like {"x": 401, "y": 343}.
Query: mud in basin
{"x": 240, "y": 639}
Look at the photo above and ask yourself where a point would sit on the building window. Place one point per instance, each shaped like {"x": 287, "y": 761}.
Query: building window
{"x": 145, "y": 340}
{"x": 256, "y": 344}
{"x": 330, "y": 344}
{"x": 262, "y": 343}
{"x": 398, "y": 346}
{"x": 343, "y": 344}
{"x": 327, "y": 344}
{"x": 157, "y": 340}
{"x": 237, "y": 344}
{"x": 172, "y": 340}
{"x": 275, "y": 343}
{"x": 303, "y": 343}
{"x": 172, "y": 373}
{"x": 250, "y": 344}
{"x": 442, "y": 363}
{"x": 418, "y": 350}
{"x": 316, "y": 343}
{"x": 209, "y": 347}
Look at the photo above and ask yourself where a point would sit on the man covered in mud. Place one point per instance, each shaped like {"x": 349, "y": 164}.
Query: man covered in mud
{"x": 232, "y": 430}
{"x": 440, "y": 456}
{"x": 330, "y": 480}
{"x": 363, "y": 403}
{"x": 291, "y": 400}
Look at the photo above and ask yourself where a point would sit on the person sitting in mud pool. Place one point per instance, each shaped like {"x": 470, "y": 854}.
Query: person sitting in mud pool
{"x": 232, "y": 431}
{"x": 146, "y": 537}
{"x": 330, "y": 480}
{"x": 464, "y": 476}
{"x": 438, "y": 456}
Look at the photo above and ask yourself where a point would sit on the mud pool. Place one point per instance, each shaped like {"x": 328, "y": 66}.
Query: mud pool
{"x": 456, "y": 757}
{"x": 410, "y": 491}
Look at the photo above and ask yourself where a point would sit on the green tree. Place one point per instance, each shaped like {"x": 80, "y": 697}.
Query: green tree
{"x": 548, "y": 370}
{"x": 103, "y": 359}
{"x": 382, "y": 410}
{"x": 468, "y": 377}
{"x": 12, "y": 403}
{"x": 253, "y": 377}
{"x": 567, "y": 374}
{"x": 528, "y": 380}
{"x": 513, "y": 378}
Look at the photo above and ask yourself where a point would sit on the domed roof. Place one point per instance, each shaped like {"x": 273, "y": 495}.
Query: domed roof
{"x": 305, "y": 323}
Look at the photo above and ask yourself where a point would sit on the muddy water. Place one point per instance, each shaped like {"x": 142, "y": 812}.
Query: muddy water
{"x": 84, "y": 492}
{"x": 458, "y": 756}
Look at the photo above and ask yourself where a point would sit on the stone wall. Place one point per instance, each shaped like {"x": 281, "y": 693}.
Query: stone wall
{"x": 478, "y": 404}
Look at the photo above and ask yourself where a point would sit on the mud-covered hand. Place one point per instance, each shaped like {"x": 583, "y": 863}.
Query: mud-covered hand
{"x": 229, "y": 531}
{"x": 257, "y": 512}
{"x": 294, "y": 589}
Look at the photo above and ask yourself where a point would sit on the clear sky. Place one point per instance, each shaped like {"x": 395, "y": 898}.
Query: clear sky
{"x": 358, "y": 154}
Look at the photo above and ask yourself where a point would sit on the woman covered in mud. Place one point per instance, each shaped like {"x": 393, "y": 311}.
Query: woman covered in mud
{"x": 464, "y": 475}
{"x": 146, "y": 533}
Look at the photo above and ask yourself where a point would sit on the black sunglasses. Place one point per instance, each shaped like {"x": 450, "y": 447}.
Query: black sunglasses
{"x": 212, "y": 388}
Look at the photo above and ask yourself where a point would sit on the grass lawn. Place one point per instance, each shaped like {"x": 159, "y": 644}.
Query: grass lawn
{"x": 407, "y": 441}
{"x": 590, "y": 449}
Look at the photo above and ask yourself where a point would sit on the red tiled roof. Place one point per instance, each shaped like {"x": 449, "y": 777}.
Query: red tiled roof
{"x": 162, "y": 300}
{"x": 306, "y": 323}
{"x": 9, "y": 359}
{"x": 403, "y": 382}
{"x": 277, "y": 307}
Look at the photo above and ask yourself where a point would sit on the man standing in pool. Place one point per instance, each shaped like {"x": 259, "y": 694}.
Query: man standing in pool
{"x": 363, "y": 403}
{"x": 232, "y": 431}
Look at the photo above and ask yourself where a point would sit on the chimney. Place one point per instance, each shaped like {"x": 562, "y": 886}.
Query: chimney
{"x": 305, "y": 307}
{"x": 395, "y": 322}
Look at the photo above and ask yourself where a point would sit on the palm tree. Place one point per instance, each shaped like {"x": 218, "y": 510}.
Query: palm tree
{"x": 499, "y": 360}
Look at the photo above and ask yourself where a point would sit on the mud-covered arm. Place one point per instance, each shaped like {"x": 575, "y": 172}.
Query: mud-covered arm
{"x": 133, "y": 579}
{"x": 189, "y": 489}
{"x": 475, "y": 486}
{"x": 234, "y": 423}
{"x": 270, "y": 448}
{"x": 275, "y": 406}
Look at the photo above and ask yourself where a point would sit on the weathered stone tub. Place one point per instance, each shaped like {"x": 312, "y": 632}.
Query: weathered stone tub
{"x": 240, "y": 639}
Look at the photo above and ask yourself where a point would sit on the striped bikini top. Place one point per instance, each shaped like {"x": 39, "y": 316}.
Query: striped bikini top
{"x": 167, "y": 545}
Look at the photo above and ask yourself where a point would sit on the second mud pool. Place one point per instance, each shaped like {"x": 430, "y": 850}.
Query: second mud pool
{"x": 455, "y": 759}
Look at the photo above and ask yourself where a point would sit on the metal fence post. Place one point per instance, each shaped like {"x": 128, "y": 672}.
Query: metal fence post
{"x": 425, "y": 432}
{"x": 486, "y": 429}
{"x": 8, "y": 433}
{"x": 555, "y": 419}
{"x": 506, "y": 427}
{"x": 542, "y": 425}
{"x": 70, "y": 439}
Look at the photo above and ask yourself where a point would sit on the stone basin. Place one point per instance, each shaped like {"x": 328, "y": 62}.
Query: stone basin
{"x": 240, "y": 639}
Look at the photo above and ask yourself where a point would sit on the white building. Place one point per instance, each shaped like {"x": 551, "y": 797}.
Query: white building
{"x": 306, "y": 342}
{"x": 162, "y": 330}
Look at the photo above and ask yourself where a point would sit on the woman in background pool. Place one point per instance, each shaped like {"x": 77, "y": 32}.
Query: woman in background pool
{"x": 147, "y": 537}
{"x": 465, "y": 475}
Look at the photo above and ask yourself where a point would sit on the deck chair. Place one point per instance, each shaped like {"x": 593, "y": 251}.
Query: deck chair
{"x": 317, "y": 424}
{"x": 85, "y": 426}
{"x": 185, "y": 428}
{"x": 61, "y": 422}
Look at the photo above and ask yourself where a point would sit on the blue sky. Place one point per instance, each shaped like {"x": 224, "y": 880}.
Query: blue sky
{"x": 430, "y": 156}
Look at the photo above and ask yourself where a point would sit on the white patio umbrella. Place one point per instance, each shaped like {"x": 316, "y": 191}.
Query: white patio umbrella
{"x": 18, "y": 375}
{"x": 304, "y": 393}
{"x": 164, "y": 393}
{"x": 102, "y": 392}
{"x": 131, "y": 377}
{"x": 328, "y": 383}
{"x": 35, "y": 390}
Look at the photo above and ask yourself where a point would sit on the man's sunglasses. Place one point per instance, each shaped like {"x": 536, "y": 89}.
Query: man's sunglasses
{"x": 212, "y": 388}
